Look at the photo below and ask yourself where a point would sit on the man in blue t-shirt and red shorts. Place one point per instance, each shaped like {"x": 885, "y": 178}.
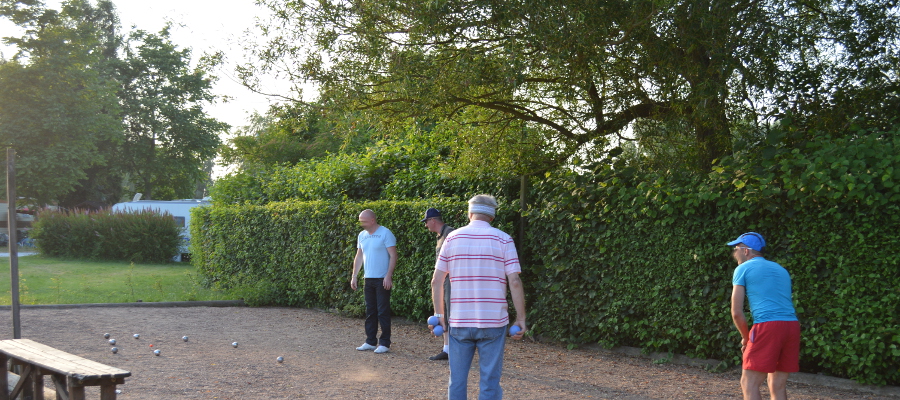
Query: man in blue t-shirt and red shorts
{"x": 771, "y": 349}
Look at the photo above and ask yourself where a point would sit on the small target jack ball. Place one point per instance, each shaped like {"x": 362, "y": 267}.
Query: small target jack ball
{"x": 112, "y": 341}
{"x": 185, "y": 338}
{"x": 114, "y": 350}
{"x": 514, "y": 330}
{"x": 280, "y": 359}
{"x": 438, "y": 330}
{"x": 234, "y": 344}
{"x": 156, "y": 352}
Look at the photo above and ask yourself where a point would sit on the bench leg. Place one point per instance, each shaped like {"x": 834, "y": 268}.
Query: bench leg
{"x": 76, "y": 391}
{"x": 108, "y": 392}
{"x": 38, "y": 380}
{"x": 59, "y": 382}
{"x": 4, "y": 381}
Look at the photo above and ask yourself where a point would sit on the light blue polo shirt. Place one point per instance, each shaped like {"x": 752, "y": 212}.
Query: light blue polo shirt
{"x": 768, "y": 287}
{"x": 375, "y": 255}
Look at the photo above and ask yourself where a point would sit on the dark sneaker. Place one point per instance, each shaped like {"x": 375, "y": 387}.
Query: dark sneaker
{"x": 440, "y": 356}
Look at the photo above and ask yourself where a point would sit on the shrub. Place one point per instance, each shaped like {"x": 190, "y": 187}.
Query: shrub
{"x": 144, "y": 237}
{"x": 301, "y": 253}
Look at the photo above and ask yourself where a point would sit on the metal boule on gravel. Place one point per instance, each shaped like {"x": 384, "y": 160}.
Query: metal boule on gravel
{"x": 114, "y": 350}
{"x": 185, "y": 338}
{"x": 156, "y": 352}
{"x": 137, "y": 336}
{"x": 106, "y": 336}
{"x": 280, "y": 359}
{"x": 234, "y": 344}
{"x": 112, "y": 341}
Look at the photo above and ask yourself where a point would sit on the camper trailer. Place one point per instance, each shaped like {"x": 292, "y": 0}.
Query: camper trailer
{"x": 179, "y": 209}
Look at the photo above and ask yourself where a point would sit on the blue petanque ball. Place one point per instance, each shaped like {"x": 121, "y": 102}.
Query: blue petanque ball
{"x": 434, "y": 320}
{"x": 514, "y": 330}
{"x": 438, "y": 330}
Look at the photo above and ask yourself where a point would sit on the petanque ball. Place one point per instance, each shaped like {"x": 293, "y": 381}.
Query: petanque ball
{"x": 114, "y": 350}
{"x": 434, "y": 320}
{"x": 185, "y": 338}
{"x": 156, "y": 352}
{"x": 106, "y": 336}
{"x": 280, "y": 359}
{"x": 438, "y": 330}
{"x": 136, "y": 336}
{"x": 112, "y": 341}
{"x": 234, "y": 344}
{"x": 514, "y": 330}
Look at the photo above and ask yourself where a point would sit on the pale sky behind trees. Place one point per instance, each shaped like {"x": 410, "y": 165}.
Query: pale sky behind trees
{"x": 203, "y": 26}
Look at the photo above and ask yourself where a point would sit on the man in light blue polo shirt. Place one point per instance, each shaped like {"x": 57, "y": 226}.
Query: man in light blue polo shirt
{"x": 771, "y": 348}
{"x": 376, "y": 249}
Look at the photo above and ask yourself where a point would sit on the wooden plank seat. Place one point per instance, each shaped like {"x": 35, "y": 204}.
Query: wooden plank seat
{"x": 69, "y": 373}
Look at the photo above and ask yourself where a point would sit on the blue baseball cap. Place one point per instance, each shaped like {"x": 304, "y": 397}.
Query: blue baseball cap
{"x": 431, "y": 213}
{"x": 752, "y": 240}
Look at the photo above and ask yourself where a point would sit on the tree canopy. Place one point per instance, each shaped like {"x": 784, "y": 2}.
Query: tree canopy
{"x": 591, "y": 75}
{"x": 89, "y": 110}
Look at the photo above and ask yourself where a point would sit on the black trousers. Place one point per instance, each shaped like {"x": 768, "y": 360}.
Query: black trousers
{"x": 378, "y": 311}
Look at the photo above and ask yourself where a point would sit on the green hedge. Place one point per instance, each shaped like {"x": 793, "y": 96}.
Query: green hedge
{"x": 625, "y": 257}
{"x": 639, "y": 259}
{"x": 301, "y": 253}
{"x": 144, "y": 237}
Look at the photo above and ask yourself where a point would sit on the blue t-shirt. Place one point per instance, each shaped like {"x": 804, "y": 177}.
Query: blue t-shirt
{"x": 768, "y": 287}
{"x": 375, "y": 255}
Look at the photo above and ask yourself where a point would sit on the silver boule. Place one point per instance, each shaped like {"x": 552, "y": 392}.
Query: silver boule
{"x": 137, "y": 336}
{"x": 114, "y": 350}
{"x": 234, "y": 344}
{"x": 112, "y": 341}
{"x": 185, "y": 338}
{"x": 280, "y": 359}
{"x": 106, "y": 336}
{"x": 156, "y": 352}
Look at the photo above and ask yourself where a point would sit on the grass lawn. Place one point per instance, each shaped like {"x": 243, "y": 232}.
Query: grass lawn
{"x": 56, "y": 281}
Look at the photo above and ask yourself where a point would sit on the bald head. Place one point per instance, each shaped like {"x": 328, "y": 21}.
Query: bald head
{"x": 368, "y": 220}
{"x": 367, "y": 213}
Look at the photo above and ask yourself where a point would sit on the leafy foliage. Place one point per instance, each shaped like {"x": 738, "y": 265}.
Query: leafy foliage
{"x": 143, "y": 237}
{"x": 168, "y": 137}
{"x": 640, "y": 260}
{"x": 586, "y": 73}
{"x": 301, "y": 253}
{"x": 58, "y": 104}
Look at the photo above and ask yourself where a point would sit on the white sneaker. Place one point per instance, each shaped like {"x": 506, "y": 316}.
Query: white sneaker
{"x": 382, "y": 349}
{"x": 365, "y": 346}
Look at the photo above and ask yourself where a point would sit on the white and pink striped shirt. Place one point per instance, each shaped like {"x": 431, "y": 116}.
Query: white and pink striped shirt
{"x": 478, "y": 258}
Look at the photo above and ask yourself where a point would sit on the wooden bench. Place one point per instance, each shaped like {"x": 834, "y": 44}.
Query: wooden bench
{"x": 70, "y": 373}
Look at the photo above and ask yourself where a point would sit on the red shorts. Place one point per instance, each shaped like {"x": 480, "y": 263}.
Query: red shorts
{"x": 773, "y": 346}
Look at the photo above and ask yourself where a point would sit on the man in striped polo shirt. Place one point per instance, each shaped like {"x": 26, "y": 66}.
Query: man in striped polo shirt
{"x": 480, "y": 261}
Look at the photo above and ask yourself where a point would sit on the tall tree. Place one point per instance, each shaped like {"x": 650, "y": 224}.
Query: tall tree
{"x": 58, "y": 104}
{"x": 587, "y": 71}
{"x": 169, "y": 138}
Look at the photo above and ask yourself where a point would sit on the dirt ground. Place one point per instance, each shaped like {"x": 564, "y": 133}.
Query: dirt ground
{"x": 321, "y": 362}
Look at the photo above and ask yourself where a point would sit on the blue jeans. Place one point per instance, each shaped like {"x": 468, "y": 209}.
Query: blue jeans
{"x": 490, "y": 343}
{"x": 378, "y": 311}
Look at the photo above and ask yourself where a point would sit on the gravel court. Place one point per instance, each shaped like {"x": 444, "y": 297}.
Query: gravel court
{"x": 320, "y": 360}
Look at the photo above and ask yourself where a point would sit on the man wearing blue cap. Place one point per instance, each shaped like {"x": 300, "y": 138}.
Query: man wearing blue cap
{"x": 771, "y": 349}
{"x": 435, "y": 223}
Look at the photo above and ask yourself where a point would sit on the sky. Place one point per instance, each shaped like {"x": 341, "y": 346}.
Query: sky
{"x": 203, "y": 26}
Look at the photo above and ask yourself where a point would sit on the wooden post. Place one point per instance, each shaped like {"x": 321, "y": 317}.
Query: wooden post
{"x": 13, "y": 244}
{"x": 76, "y": 390}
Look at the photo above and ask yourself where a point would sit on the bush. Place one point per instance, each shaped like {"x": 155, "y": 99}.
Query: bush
{"x": 301, "y": 253}
{"x": 641, "y": 261}
{"x": 142, "y": 237}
